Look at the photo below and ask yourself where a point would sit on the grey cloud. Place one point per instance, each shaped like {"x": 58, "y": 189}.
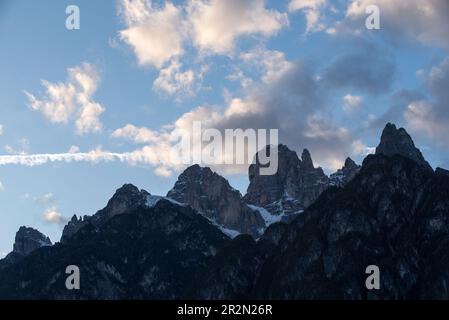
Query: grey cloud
{"x": 425, "y": 22}
{"x": 399, "y": 100}
{"x": 296, "y": 104}
{"x": 368, "y": 70}
{"x": 431, "y": 116}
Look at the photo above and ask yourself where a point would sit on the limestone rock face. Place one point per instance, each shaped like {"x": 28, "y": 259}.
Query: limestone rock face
{"x": 29, "y": 239}
{"x": 398, "y": 142}
{"x": 73, "y": 226}
{"x": 311, "y": 181}
{"x": 294, "y": 187}
{"x": 264, "y": 190}
{"x": 125, "y": 199}
{"x": 211, "y": 195}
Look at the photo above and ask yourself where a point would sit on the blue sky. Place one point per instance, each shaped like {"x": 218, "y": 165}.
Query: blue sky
{"x": 141, "y": 70}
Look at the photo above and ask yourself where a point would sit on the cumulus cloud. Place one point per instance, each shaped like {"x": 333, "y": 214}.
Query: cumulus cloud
{"x": 158, "y": 34}
{"x": 293, "y": 102}
{"x": 272, "y": 63}
{"x": 52, "y": 215}
{"x": 173, "y": 81}
{"x": 424, "y": 21}
{"x": 72, "y": 100}
{"x": 351, "y": 102}
{"x": 431, "y": 115}
{"x": 135, "y": 134}
{"x": 154, "y": 33}
{"x": 217, "y": 24}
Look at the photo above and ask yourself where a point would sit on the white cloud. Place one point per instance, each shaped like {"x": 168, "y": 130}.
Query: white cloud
{"x": 155, "y": 34}
{"x": 272, "y": 63}
{"x": 312, "y": 10}
{"x": 419, "y": 116}
{"x": 291, "y": 102}
{"x": 156, "y": 155}
{"x": 289, "y": 98}
{"x": 351, "y": 102}
{"x": 93, "y": 156}
{"x": 2, "y": 129}
{"x": 52, "y": 215}
{"x": 72, "y": 100}
{"x": 135, "y": 134}
{"x": 2, "y": 187}
{"x": 173, "y": 81}
{"x": 217, "y": 24}
{"x": 305, "y": 4}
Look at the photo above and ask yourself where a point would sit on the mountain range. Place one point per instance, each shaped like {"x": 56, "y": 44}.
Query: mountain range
{"x": 297, "y": 234}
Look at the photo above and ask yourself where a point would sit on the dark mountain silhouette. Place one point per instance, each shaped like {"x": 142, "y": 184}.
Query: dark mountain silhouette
{"x": 392, "y": 212}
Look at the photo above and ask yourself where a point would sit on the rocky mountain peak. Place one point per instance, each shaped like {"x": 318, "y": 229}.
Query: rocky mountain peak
{"x": 398, "y": 142}
{"x": 211, "y": 195}
{"x": 306, "y": 160}
{"x": 350, "y": 164}
{"x": 125, "y": 199}
{"x": 28, "y": 239}
{"x": 266, "y": 189}
{"x": 73, "y": 226}
{"x": 295, "y": 186}
{"x": 345, "y": 174}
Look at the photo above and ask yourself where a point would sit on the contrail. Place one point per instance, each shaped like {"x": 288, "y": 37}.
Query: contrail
{"x": 92, "y": 156}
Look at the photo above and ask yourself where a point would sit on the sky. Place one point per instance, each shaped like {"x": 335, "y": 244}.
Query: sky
{"x": 83, "y": 111}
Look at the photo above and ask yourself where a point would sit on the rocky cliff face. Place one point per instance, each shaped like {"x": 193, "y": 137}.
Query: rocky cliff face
{"x": 210, "y": 194}
{"x": 27, "y": 240}
{"x": 125, "y": 200}
{"x": 294, "y": 187}
{"x": 398, "y": 142}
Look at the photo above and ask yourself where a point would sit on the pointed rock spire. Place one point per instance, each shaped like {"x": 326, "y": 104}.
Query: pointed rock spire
{"x": 398, "y": 142}
{"x": 350, "y": 164}
{"x": 306, "y": 160}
